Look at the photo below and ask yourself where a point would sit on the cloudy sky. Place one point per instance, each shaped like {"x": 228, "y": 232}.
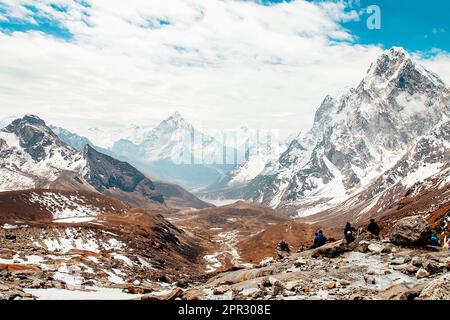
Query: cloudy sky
{"x": 220, "y": 63}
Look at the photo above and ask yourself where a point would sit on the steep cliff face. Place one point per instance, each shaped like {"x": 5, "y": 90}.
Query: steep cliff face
{"x": 33, "y": 156}
{"x": 356, "y": 137}
{"x": 108, "y": 175}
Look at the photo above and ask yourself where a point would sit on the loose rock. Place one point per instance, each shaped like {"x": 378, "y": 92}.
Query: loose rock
{"x": 422, "y": 273}
{"x": 411, "y": 231}
{"x": 438, "y": 289}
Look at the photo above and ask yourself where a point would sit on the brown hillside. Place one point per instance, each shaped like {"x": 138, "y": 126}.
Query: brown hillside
{"x": 264, "y": 244}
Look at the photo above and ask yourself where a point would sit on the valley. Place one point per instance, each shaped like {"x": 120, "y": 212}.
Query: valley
{"x": 131, "y": 215}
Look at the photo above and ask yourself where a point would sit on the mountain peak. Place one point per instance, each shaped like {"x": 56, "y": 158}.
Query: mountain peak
{"x": 28, "y": 119}
{"x": 393, "y": 67}
{"x": 35, "y": 137}
{"x": 396, "y": 52}
{"x": 33, "y": 119}
{"x": 176, "y": 115}
{"x": 176, "y": 121}
{"x": 389, "y": 63}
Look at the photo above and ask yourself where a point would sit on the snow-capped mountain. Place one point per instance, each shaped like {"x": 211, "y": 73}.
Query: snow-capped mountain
{"x": 32, "y": 156}
{"x": 70, "y": 138}
{"x": 419, "y": 183}
{"x": 260, "y": 156}
{"x": 177, "y": 152}
{"x": 106, "y": 138}
{"x": 355, "y": 137}
{"x": 175, "y": 140}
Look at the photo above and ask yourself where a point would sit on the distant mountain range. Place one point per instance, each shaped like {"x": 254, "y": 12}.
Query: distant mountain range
{"x": 175, "y": 151}
{"x": 389, "y": 131}
{"x": 33, "y": 156}
{"x": 107, "y": 211}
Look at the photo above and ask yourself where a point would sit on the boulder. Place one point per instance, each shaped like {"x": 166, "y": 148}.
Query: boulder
{"x": 433, "y": 267}
{"x": 283, "y": 250}
{"x": 362, "y": 246}
{"x": 344, "y": 283}
{"x": 176, "y": 293}
{"x": 265, "y": 283}
{"x": 400, "y": 292}
{"x": 184, "y": 284}
{"x": 397, "y": 261}
{"x": 220, "y": 291}
{"x": 422, "y": 273}
{"x": 299, "y": 262}
{"x": 331, "y": 250}
{"x": 376, "y": 248}
{"x": 417, "y": 262}
{"x": 438, "y": 289}
{"x": 406, "y": 268}
{"x": 411, "y": 231}
{"x": 259, "y": 294}
{"x": 138, "y": 290}
{"x": 278, "y": 288}
{"x": 369, "y": 279}
{"x": 266, "y": 262}
{"x": 447, "y": 264}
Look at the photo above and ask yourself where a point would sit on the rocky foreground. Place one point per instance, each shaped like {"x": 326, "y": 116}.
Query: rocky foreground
{"x": 377, "y": 270}
{"x": 402, "y": 267}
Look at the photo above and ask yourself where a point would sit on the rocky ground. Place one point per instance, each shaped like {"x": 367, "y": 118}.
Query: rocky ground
{"x": 79, "y": 261}
{"x": 369, "y": 269}
{"x": 39, "y": 262}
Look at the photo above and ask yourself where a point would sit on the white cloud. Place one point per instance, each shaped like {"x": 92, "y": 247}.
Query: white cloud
{"x": 439, "y": 62}
{"x": 222, "y": 64}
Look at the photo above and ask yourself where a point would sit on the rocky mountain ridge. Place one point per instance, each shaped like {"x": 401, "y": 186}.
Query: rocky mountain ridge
{"x": 355, "y": 139}
{"x": 33, "y": 156}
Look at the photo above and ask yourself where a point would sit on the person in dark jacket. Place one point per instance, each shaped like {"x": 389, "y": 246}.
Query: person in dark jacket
{"x": 320, "y": 239}
{"x": 348, "y": 233}
{"x": 434, "y": 241}
{"x": 373, "y": 227}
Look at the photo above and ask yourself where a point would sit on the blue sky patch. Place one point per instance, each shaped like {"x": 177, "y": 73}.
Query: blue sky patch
{"x": 42, "y": 24}
{"x": 415, "y": 25}
{"x": 60, "y": 7}
{"x": 156, "y": 23}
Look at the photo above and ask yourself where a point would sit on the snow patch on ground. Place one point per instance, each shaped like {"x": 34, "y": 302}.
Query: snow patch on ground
{"x": 212, "y": 262}
{"x": 421, "y": 174}
{"x": 75, "y": 220}
{"x": 114, "y": 278}
{"x": 8, "y": 226}
{"x": 91, "y": 293}
{"x": 72, "y": 240}
{"x": 125, "y": 259}
{"x": 65, "y": 207}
